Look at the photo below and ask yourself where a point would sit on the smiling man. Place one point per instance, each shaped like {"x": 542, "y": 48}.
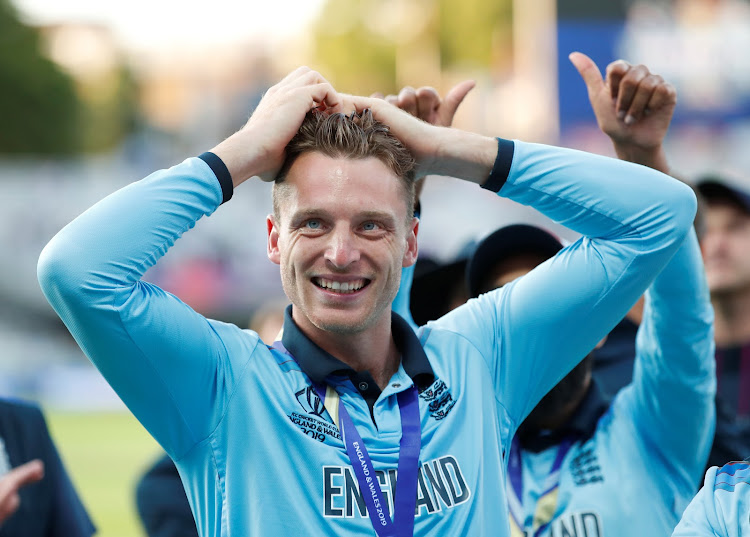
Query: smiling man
{"x": 312, "y": 434}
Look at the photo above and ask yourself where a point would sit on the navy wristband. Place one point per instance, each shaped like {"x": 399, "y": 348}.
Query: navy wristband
{"x": 221, "y": 172}
{"x": 501, "y": 168}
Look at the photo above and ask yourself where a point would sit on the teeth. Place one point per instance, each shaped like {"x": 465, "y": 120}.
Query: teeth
{"x": 343, "y": 287}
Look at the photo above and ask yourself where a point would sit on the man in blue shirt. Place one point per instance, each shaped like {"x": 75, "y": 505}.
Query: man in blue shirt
{"x": 580, "y": 463}
{"x": 308, "y": 436}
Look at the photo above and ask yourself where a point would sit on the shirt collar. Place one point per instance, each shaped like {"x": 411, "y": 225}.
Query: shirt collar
{"x": 318, "y": 364}
{"x": 581, "y": 426}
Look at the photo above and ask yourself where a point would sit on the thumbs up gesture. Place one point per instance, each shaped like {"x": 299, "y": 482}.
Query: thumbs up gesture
{"x": 632, "y": 105}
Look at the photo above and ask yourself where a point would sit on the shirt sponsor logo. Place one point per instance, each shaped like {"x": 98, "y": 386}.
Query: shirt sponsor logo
{"x": 440, "y": 485}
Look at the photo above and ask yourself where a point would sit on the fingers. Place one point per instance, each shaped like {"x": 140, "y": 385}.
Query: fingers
{"x": 407, "y": 100}
{"x": 588, "y": 70}
{"x": 640, "y": 92}
{"x": 664, "y": 96}
{"x": 11, "y": 482}
{"x": 615, "y": 73}
{"x": 25, "y": 474}
{"x": 428, "y": 104}
{"x": 455, "y": 97}
{"x": 634, "y": 83}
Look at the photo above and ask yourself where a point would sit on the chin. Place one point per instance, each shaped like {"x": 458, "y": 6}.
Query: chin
{"x": 340, "y": 326}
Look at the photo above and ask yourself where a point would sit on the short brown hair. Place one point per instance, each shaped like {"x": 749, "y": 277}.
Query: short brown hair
{"x": 356, "y": 136}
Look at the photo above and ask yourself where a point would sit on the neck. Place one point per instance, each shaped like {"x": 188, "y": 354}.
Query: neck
{"x": 732, "y": 318}
{"x": 372, "y": 350}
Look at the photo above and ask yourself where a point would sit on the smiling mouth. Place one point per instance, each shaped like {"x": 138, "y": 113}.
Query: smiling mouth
{"x": 341, "y": 287}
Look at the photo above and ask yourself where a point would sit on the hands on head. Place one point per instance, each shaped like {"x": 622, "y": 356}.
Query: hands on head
{"x": 13, "y": 481}
{"x": 258, "y": 148}
{"x": 633, "y": 106}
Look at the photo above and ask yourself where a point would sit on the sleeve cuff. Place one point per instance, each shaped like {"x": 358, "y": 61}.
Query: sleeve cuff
{"x": 501, "y": 168}
{"x": 222, "y": 174}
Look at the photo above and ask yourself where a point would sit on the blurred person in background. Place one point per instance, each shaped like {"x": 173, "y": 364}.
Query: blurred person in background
{"x": 162, "y": 503}
{"x": 37, "y": 498}
{"x": 268, "y": 439}
{"x": 580, "y": 462}
{"x": 722, "y": 506}
{"x": 725, "y": 244}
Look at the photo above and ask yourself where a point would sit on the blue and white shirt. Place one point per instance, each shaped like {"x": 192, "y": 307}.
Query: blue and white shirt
{"x": 257, "y": 452}
{"x": 722, "y": 507}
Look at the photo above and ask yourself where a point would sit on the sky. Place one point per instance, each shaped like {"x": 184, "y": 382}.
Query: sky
{"x": 146, "y": 24}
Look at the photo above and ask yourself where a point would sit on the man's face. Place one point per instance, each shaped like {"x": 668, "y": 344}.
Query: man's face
{"x": 726, "y": 248}
{"x": 341, "y": 239}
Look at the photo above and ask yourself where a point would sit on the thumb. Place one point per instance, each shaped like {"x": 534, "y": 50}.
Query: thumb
{"x": 456, "y": 95}
{"x": 588, "y": 70}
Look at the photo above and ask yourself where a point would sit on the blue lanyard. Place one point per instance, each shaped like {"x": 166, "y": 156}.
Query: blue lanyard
{"x": 404, "y": 504}
{"x": 515, "y": 487}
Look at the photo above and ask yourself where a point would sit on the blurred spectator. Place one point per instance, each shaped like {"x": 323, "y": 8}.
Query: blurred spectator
{"x": 46, "y": 505}
{"x": 162, "y": 503}
{"x": 726, "y": 253}
{"x": 268, "y": 320}
{"x": 438, "y": 287}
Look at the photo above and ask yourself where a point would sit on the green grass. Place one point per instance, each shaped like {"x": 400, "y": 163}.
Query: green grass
{"x": 105, "y": 454}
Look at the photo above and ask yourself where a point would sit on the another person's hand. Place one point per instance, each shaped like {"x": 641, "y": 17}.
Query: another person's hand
{"x": 437, "y": 150}
{"x": 13, "y": 481}
{"x": 633, "y": 106}
{"x": 257, "y": 149}
{"x": 426, "y": 103}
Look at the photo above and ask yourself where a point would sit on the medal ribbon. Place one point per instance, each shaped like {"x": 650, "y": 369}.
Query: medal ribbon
{"x": 405, "y": 500}
{"x": 544, "y": 511}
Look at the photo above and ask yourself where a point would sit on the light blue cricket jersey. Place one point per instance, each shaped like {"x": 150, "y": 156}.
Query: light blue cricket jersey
{"x": 639, "y": 465}
{"x": 256, "y": 452}
{"x": 643, "y": 463}
{"x": 722, "y": 507}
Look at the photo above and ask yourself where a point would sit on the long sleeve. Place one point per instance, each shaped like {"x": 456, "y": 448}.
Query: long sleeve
{"x": 670, "y": 403}
{"x": 534, "y": 330}
{"x": 163, "y": 359}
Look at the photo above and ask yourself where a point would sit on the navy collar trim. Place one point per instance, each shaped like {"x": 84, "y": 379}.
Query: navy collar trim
{"x": 318, "y": 364}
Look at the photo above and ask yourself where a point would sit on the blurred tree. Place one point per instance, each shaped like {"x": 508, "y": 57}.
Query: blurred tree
{"x": 476, "y": 33}
{"x": 39, "y": 109}
{"x": 359, "y": 43}
{"x": 357, "y": 58}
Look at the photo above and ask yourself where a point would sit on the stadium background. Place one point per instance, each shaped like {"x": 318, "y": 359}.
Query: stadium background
{"x": 96, "y": 95}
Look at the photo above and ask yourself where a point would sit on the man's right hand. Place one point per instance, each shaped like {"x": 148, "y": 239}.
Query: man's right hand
{"x": 257, "y": 149}
{"x": 11, "y": 483}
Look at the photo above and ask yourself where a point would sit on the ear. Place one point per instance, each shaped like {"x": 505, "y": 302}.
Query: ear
{"x": 412, "y": 249}
{"x": 272, "y": 247}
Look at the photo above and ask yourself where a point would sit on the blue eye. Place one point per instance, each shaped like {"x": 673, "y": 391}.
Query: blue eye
{"x": 369, "y": 226}
{"x": 313, "y": 224}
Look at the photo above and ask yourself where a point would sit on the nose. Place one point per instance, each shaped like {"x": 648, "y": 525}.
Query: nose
{"x": 342, "y": 249}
